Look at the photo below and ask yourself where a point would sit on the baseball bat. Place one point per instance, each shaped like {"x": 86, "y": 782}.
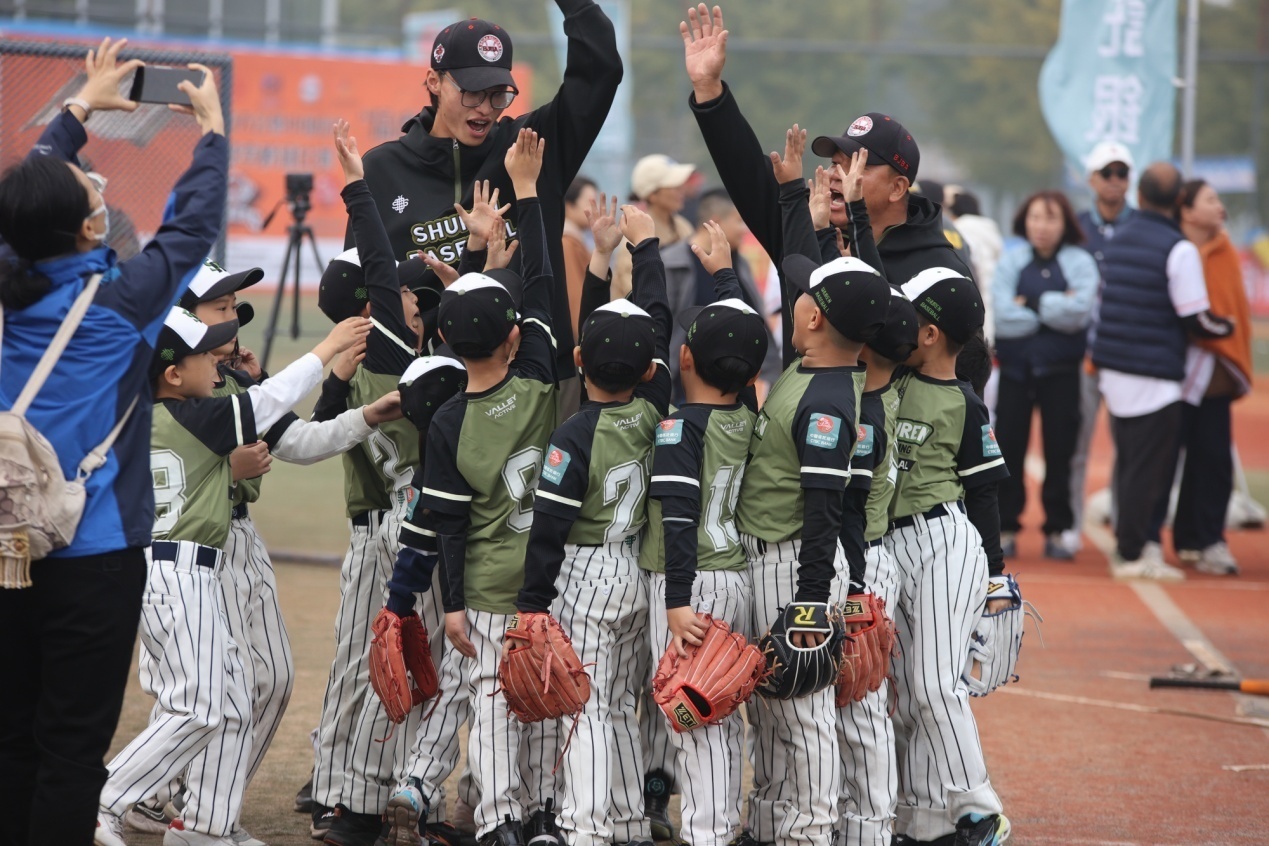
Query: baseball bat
{"x": 1256, "y": 687}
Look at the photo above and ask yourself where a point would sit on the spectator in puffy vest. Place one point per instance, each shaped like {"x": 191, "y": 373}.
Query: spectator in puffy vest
{"x": 1154, "y": 299}
{"x": 1044, "y": 293}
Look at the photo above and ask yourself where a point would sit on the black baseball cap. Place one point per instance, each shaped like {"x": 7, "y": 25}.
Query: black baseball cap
{"x": 725, "y": 329}
{"x": 853, "y": 296}
{"x": 885, "y": 139}
{"x": 898, "y": 337}
{"x": 184, "y": 335}
{"x": 422, "y": 281}
{"x": 476, "y": 53}
{"x": 342, "y": 292}
{"x": 476, "y": 315}
{"x": 949, "y": 300}
{"x": 618, "y": 336}
{"x": 212, "y": 282}
{"x": 426, "y": 384}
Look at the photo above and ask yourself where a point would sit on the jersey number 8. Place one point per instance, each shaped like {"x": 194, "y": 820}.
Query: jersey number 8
{"x": 168, "y": 473}
{"x": 520, "y": 475}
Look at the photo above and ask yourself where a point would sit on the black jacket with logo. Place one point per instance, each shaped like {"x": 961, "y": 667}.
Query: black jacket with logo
{"x": 417, "y": 179}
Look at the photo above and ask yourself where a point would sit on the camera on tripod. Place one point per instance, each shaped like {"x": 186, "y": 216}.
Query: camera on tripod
{"x": 298, "y": 188}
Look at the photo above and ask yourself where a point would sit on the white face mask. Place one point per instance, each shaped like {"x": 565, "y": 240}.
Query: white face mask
{"x": 103, "y": 209}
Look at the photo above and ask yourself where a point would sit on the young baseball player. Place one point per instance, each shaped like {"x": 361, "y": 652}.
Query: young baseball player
{"x": 790, "y": 519}
{"x": 188, "y": 660}
{"x": 945, "y": 537}
{"x": 482, "y": 456}
{"x": 583, "y": 548}
{"x": 692, "y": 548}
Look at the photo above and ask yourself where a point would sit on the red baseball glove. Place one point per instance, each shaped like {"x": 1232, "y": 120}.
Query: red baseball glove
{"x": 401, "y": 669}
{"x": 711, "y": 682}
{"x": 870, "y": 638}
{"x": 540, "y": 673}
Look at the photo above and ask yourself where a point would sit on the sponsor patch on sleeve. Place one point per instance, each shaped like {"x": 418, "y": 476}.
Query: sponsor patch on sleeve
{"x": 669, "y": 432}
{"x": 864, "y": 442}
{"x": 991, "y": 449}
{"x": 556, "y": 463}
{"x": 824, "y": 431}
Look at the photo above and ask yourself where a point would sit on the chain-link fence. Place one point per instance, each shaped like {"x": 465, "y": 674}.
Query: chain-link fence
{"x": 141, "y": 153}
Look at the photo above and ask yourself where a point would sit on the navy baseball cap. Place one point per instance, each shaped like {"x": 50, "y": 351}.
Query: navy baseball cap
{"x": 885, "y": 139}
{"x": 949, "y": 300}
{"x": 898, "y": 337}
{"x": 342, "y": 292}
{"x": 618, "y": 336}
{"x": 853, "y": 296}
{"x": 426, "y": 384}
{"x": 184, "y": 335}
{"x": 726, "y": 329}
{"x": 476, "y": 53}
{"x": 476, "y": 315}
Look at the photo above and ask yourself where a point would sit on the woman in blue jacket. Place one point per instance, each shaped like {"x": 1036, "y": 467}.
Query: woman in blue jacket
{"x": 67, "y": 639}
{"x": 1044, "y": 293}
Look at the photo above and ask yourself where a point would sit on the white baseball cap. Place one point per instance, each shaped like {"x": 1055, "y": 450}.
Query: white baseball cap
{"x": 1106, "y": 153}
{"x": 652, "y": 173}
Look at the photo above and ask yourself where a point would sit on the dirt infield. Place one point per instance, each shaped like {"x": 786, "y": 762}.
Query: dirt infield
{"x": 1072, "y": 753}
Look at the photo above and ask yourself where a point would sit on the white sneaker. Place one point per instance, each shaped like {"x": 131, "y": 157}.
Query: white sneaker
{"x": 1146, "y": 568}
{"x": 1153, "y": 551}
{"x": 146, "y": 819}
{"x": 1073, "y": 540}
{"x": 178, "y": 835}
{"x": 1217, "y": 561}
{"x": 405, "y": 809}
{"x": 109, "y": 830}
{"x": 240, "y": 837}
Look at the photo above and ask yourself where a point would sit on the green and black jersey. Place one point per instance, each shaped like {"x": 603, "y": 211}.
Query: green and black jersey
{"x": 698, "y": 466}
{"x": 190, "y": 442}
{"x": 799, "y": 465}
{"x": 885, "y": 472}
{"x": 483, "y": 454}
{"x": 869, "y": 467}
{"x": 943, "y": 444}
{"x": 594, "y": 485}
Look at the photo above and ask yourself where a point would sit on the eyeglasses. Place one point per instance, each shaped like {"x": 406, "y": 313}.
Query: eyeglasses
{"x": 1114, "y": 171}
{"x": 98, "y": 181}
{"x": 499, "y": 98}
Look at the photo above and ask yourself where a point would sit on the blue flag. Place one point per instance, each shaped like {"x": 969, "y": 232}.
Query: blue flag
{"x": 1110, "y": 77}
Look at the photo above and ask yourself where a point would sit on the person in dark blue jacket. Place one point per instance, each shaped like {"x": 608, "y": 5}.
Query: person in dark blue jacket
{"x": 68, "y": 638}
{"x": 1043, "y": 293}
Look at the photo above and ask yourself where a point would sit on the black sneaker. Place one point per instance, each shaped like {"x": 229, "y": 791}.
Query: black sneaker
{"x": 977, "y": 830}
{"x": 444, "y": 834}
{"x": 541, "y": 829}
{"x": 656, "y": 804}
{"x": 322, "y": 819}
{"x": 508, "y": 833}
{"x": 746, "y": 838}
{"x": 945, "y": 840}
{"x": 349, "y": 828}
{"x": 304, "y": 798}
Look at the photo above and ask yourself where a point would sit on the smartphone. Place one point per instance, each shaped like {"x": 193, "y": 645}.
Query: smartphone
{"x": 157, "y": 84}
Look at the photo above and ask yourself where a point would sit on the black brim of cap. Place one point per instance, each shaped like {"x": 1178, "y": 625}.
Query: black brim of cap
{"x": 232, "y": 283}
{"x": 245, "y": 314}
{"x": 826, "y": 146}
{"x": 478, "y": 78}
{"x": 217, "y": 336}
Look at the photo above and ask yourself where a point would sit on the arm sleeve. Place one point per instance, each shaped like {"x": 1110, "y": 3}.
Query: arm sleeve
{"x": 1207, "y": 325}
{"x": 864, "y": 460}
{"x": 795, "y": 215}
{"x": 595, "y": 292}
{"x": 472, "y": 261}
{"x": 390, "y": 350}
{"x": 823, "y": 438}
{"x": 676, "y": 483}
{"x": 727, "y": 285}
{"x": 309, "y": 443}
{"x": 682, "y": 518}
{"x": 1187, "y": 285}
{"x": 1071, "y": 310}
{"x": 445, "y": 503}
{"x": 222, "y": 424}
{"x": 821, "y": 529}
{"x": 862, "y": 244}
{"x": 151, "y": 281}
{"x": 333, "y": 400}
{"x": 535, "y": 358}
{"x": 560, "y": 491}
{"x": 1012, "y": 320}
{"x": 978, "y": 460}
{"x": 63, "y": 138}
{"x": 854, "y": 522}
{"x": 274, "y": 398}
{"x": 543, "y": 562}
{"x": 648, "y": 292}
{"x": 983, "y": 510}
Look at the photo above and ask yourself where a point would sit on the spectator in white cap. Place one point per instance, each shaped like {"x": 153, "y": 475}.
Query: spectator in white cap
{"x": 658, "y": 181}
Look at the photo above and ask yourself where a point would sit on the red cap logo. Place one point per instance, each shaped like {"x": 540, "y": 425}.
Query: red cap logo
{"x": 555, "y": 458}
{"x": 667, "y": 425}
{"x": 490, "y": 48}
{"x": 863, "y": 433}
{"x": 438, "y": 54}
{"x": 824, "y": 424}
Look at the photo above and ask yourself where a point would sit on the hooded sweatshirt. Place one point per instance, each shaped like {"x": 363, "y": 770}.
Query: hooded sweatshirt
{"x": 1228, "y": 298}
{"x": 417, "y": 179}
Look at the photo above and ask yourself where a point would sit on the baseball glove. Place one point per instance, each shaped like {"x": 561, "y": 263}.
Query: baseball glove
{"x": 997, "y": 639}
{"x": 540, "y": 673}
{"x": 401, "y": 669}
{"x": 795, "y": 671}
{"x": 711, "y": 682}
{"x": 866, "y": 652}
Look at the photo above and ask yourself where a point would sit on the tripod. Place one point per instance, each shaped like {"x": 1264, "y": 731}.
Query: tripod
{"x": 297, "y": 232}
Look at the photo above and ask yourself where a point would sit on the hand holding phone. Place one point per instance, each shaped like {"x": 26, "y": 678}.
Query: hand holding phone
{"x": 159, "y": 84}
{"x": 204, "y": 101}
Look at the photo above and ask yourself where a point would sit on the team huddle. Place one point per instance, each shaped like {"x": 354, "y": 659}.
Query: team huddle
{"x": 633, "y": 601}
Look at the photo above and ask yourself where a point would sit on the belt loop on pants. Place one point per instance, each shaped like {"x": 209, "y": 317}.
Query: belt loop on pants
{"x": 240, "y": 511}
{"x": 870, "y": 544}
{"x": 367, "y": 519}
{"x": 943, "y": 509}
{"x": 187, "y": 553}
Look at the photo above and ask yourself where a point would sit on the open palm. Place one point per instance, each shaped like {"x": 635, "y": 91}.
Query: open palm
{"x": 704, "y": 44}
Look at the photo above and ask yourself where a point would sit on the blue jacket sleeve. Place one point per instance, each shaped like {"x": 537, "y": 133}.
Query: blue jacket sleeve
{"x": 62, "y": 138}
{"x": 1070, "y": 311}
{"x": 1012, "y": 320}
{"x": 153, "y": 280}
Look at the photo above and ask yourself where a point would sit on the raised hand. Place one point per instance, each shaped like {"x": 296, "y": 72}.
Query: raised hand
{"x": 101, "y": 89}
{"x": 719, "y": 254}
{"x": 484, "y": 213}
{"x": 524, "y": 162}
{"x": 345, "y": 364}
{"x": 789, "y": 168}
{"x": 704, "y": 51}
{"x": 500, "y": 252}
{"x": 821, "y": 198}
{"x": 602, "y": 220}
{"x": 349, "y": 155}
{"x": 204, "y": 101}
{"x": 447, "y": 273}
{"x": 853, "y": 179}
{"x": 636, "y": 224}
{"x": 347, "y": 333}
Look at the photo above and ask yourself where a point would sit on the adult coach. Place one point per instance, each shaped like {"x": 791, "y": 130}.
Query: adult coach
{"x": 68, "y": 637}
{"x": 462, "y": 136}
